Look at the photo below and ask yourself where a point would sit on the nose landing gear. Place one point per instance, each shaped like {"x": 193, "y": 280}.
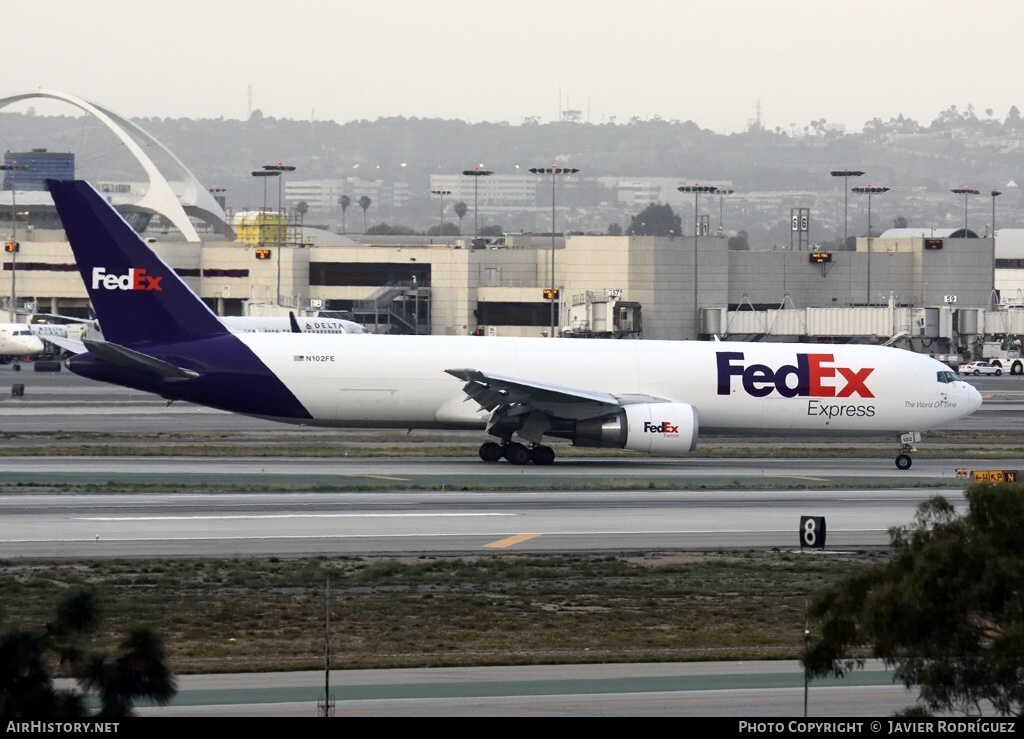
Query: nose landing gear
{"x": 907, "y": 441}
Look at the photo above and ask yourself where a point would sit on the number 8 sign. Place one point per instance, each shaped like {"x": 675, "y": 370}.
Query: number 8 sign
{"x": 812, "y": 532}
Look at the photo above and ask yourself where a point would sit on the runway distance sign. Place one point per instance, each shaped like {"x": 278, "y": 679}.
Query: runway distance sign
{"x": 812, "y": 532}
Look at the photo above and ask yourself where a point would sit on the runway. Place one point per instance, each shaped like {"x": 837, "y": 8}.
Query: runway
{"x": 221, "y": 525}
{"x": 268, "y": 471}
{"x": 726, "y": 689}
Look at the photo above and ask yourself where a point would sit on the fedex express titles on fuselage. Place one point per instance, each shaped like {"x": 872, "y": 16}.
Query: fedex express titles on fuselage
{"x": 814, "y": 376}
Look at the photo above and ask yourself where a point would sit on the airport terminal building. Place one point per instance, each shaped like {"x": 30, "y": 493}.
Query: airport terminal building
{"x": 629, "y": 286}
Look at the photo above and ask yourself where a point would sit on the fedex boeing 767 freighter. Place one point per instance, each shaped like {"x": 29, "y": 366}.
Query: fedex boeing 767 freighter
{"x": 647, "y": 396}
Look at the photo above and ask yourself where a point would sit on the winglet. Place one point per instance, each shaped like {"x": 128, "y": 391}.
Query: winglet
{"x": 138, "y": 298}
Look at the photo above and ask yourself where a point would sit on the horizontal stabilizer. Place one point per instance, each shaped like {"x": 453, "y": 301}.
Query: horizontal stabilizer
{"x": 133, "y": 360}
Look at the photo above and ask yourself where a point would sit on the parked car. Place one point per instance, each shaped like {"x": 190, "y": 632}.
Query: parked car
{"x": 981, "y": 367}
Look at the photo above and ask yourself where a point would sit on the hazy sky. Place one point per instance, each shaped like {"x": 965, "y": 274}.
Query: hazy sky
{"x": 708, "y": 61}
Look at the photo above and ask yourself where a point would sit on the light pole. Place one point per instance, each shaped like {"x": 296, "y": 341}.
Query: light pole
{"x": 722, "y": 192}
{"x": 264, "y": 174}
{"x": 553, "y": 171}
{"x": 218, "y": 195}
{"x": 476, "y": 174}
{"x": 995, "y": 194}
{"x": 416, "y": 307}
{"x": 442, "y": 193}
{"x": 14, "y": 167}
{"x": 846, "y": 174}
{"x": 869, "y": 191}
{"x": 696, "y": 188}
{"x": 280, "y": 169}
{"x": 965, "y": 191}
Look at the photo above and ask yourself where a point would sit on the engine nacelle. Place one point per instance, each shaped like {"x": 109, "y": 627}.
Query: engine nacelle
{"x": 657, "y": 428}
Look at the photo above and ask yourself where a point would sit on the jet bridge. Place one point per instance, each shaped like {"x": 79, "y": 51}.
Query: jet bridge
{"x": 876, "y": 322}
{"x": 602, "y": 315}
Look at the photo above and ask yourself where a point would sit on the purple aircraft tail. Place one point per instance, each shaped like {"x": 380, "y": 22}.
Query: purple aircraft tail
{"x": 158, "y": 335}
{"x": 138, "y": 299}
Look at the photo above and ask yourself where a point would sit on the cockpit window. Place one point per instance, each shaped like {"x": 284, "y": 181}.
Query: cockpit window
{"x": 946, "y": 376}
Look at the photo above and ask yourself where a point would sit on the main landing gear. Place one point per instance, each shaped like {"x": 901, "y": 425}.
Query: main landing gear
{"x": 516, "y": 453}
{"x": 907, "y": 440}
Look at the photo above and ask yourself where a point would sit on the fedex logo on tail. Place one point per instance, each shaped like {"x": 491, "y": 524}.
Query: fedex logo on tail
{"x": 136, "y": 279}
{"x": 813, "y": 375}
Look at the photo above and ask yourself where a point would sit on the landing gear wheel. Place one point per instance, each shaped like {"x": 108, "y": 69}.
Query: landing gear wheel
{"x": 516, "y": 453}
{"x": 490, "y": 451}
{"x": 903, "y": 462}
{"x": 543, "y": 455}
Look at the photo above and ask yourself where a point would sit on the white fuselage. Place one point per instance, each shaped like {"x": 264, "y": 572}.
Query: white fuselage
{"x": 400, "y": 381}
{"x": 283, "y": 325}
{"x": 19, "y": 340}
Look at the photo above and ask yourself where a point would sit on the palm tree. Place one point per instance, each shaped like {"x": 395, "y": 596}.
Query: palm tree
{"x": 344, "y": 201}
{"x": 301, "y": 209}
{"x": 364, "y": 203}
{"x": 460, "y": 209}
{"x": 138, "y": 672}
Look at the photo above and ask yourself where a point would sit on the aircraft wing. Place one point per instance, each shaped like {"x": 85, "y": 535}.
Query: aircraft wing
{"x": 515, "y": 396}
{"x": 65, "y": 319}
{"x": 68, "y": 345}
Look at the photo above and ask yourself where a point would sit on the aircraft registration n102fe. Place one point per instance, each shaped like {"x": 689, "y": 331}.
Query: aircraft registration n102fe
{"x": 647, "y": 396}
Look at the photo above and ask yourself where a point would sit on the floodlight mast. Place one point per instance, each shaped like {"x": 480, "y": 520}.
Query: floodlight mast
{"x": 965, "y": 191}
{"x": 846, "y": 173}
{"x": 869, "y": 191}
{"x": 476, "y": 174}
{"x": 696, "y": 188}
{"x": 553, "y": 170}
{"x": 14, "y": 167}
{"x": 442, "y": 193}
{"x": 722, "y": 192}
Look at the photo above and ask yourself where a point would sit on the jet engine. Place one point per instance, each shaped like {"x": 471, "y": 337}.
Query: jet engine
{"x": 657, "y": 428}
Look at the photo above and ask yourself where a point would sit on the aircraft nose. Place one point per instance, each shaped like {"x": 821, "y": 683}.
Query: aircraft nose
{"x": 973, "y": 398}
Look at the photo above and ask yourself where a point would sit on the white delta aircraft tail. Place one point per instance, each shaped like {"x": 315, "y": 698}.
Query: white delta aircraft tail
{"x": 647, "y": 396}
